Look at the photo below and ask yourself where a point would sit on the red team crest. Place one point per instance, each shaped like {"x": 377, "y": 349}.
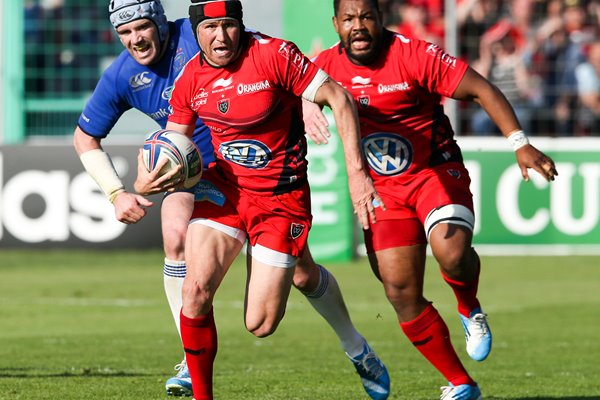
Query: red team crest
{"x": 223, "y": 106}
{"x": 296, "y": 230}
{"x": 363, "y": 101}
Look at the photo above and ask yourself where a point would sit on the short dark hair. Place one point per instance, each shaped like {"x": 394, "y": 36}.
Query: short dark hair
{"x": 336, "y": 5}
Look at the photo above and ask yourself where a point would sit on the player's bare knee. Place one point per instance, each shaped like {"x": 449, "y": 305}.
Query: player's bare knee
{"x": 262, "y": 328}
{"x": 262, "y": 331}
{"x": 197, "y": 296}
{"x": 402, "y": 293}
{"x": 307, "y": 274}
{"x": 454, "y": 261}
{"x": 174, "y": 243}
{"x": 306, "y": 277}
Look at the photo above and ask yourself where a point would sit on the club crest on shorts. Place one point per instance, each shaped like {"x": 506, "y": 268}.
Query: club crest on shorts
{"x": 296, "y": 230}
{"x": 363, "y": 101}
{"x": 223, "y": 106}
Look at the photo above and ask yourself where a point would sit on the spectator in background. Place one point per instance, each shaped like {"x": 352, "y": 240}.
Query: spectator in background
{"x": 578, "y": 34}
{"x": 520, "y": 15}
{"x": 502, "y": 64}
{"x": 415, "y": 22}
{"x": 553, "y": 9}
{"x": 588, "y": 91}
{"x": 594, "y": 11}
{"x": 548, "y": 55}
{"x": 475, "y": 17}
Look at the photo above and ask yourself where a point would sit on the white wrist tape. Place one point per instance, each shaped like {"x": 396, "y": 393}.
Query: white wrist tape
{"x": 517, "y": 139}
{"x": 98, "y": 164}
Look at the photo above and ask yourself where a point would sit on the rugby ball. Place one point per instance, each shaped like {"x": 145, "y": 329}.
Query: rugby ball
{"x": 178, "y": 149}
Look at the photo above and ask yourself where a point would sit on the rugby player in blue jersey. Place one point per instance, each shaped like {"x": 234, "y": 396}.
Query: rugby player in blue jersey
{"x": 142, "y": 77}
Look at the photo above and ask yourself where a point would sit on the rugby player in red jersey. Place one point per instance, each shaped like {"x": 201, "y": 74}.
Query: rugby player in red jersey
{"x": 246, "y": 87}
{"x": 417, "y": 167}
{"x": 157, "y": 50}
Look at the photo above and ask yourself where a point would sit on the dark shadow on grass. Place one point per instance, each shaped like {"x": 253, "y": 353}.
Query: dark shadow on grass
{"x": 83, "y": 373}
{"x": 546, "y": 398}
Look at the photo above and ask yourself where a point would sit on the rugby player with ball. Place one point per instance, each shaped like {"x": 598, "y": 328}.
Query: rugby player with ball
{"x": 142, "y": 77}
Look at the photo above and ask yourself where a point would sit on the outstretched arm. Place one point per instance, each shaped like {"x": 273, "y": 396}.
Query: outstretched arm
{"x": 362, "y": 191}
{"x": 474, "y": 87}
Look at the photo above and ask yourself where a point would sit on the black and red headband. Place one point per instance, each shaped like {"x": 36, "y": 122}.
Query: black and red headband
{"x": 202, "y": 10}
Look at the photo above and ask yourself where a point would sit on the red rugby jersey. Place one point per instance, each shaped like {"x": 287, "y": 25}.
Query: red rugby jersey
{"x": 252, "y": 107}
{"x": 403, "y": 125}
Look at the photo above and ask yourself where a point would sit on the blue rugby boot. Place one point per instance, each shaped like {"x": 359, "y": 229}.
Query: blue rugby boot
{"x": 477, "y": 334}
{"x": 461, "y": 392}
{"x": 373, "y": 374}
{"x": 181, "y": 383}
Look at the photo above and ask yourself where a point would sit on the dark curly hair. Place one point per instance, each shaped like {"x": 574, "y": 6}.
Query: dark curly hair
{"x": 336, "y": 5}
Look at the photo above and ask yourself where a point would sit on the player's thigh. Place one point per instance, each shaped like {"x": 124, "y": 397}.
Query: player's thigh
{"x": 401, "y": 269}
{"x": 445, "y": 206}
{"x": 210, "y": 251}
{"x": 209, "y": 254}
{"x": 175, "y": 213}
{"x": 267, "y": 291}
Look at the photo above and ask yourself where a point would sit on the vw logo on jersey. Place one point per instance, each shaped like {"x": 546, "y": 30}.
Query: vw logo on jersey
{"x": 139, "y": 80}
{"x": 166, "y": 94}
{"x": 247, "y": 153}
{"x": 387, "y": 154}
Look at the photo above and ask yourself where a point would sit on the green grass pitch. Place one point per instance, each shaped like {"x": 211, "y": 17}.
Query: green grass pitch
{"x": 95, "y": 325}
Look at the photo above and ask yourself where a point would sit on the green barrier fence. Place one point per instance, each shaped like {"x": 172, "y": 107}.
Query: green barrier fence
{"x": 54, "y": 53}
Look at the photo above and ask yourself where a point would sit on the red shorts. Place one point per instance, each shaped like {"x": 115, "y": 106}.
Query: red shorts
{"x": 278, "y": 222}
{"x": 409, "y": 203}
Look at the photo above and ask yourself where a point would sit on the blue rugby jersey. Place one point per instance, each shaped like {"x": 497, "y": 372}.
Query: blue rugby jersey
{"x": 126, "y": 84}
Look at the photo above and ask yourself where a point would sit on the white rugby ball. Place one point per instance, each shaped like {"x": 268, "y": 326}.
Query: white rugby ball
{"x": 178, "y": 149}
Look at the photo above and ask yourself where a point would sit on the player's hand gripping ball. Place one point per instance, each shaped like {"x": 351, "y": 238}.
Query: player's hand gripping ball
{"x": 178, "y": 149}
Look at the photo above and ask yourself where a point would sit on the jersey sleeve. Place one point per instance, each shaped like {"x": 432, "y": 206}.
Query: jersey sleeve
{"x": 433, "y": 68}
{"x": 181, "y": 99}
{"x": 289, "y": 67}
{"x": 105, "y": 106}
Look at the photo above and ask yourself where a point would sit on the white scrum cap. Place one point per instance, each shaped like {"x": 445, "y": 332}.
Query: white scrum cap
{"x": 124, "y": 11}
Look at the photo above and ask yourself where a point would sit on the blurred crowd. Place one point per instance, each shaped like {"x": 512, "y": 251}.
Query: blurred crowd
{"x": 543, "y": 54}
{"x": 65, "y": 42}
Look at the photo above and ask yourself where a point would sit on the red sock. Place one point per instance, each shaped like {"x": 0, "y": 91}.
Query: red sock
{"x": 429, "y": 334}
{"x": 199, "y": 336}
{"x": 466, "y": 292}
